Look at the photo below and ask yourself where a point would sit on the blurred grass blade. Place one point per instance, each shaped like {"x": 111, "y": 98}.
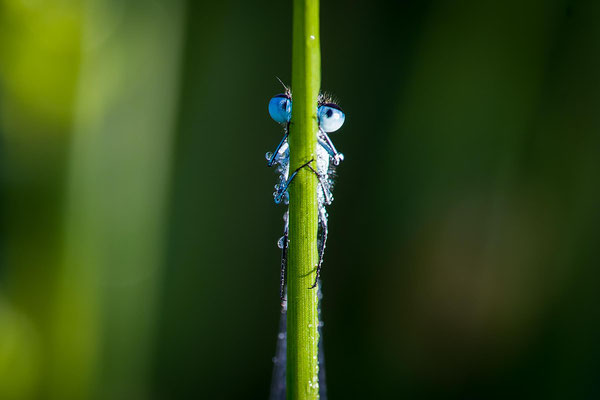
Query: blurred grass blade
{"x": 119, "y": 170}
{"x": 39, "y": 52}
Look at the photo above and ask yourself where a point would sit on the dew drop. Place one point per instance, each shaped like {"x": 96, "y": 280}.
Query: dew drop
{"x": 337, "y": 159}
{"x": 268, "y": 155}
{"x": 280, "y": 242}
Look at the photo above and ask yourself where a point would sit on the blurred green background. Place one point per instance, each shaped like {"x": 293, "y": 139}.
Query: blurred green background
{"x": 138, "y": 231}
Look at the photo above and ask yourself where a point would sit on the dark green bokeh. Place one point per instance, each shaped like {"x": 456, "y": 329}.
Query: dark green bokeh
{"x": 462, "y": 259}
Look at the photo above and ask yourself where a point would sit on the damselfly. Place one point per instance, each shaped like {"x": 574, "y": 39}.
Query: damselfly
{"x": 330, "y": 118}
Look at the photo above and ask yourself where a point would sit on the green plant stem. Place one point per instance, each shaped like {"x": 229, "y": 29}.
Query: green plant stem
{"x": 303, "y": 319}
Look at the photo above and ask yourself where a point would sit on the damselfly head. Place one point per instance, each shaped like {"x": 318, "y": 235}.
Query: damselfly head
{"x": 330, "y": 116}
{"x": 280, "y": 108}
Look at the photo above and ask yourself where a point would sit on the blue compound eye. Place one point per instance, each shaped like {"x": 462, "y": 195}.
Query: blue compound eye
{"x": 331, "y": 117}
{"x": 280, "y": 108}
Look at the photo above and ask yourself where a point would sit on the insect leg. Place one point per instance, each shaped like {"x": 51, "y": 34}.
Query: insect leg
{"x": 327, "y": 144}
{"x": 325, "y": 194}
{"x": 324, "y": 232}
{"x": 283, "y": 264}
{"x": 282, "y": 190}
{"x": 272, "y": 160}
